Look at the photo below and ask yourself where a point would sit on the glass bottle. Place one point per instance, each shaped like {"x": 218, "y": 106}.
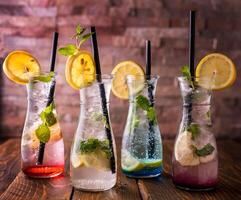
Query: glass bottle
{"x": 93, "y": 150}
{"x": 141, "y": 153}
{"x": 42, "y": 146}
{"x": 195, "y": 157}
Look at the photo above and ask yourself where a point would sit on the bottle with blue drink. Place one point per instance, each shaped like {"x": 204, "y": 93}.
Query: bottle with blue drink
{"x": 141, "y": 153}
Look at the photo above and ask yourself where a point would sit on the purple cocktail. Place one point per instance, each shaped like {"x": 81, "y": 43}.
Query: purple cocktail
{"x": 195, "y": 162}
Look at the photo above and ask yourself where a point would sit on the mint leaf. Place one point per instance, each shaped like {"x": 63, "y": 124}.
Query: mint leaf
{"x": 206, "y": 150}
{"x": 151, "y": 114}
{"x": 45, "y": 78}
{"x": 67, "y": 50}
{"x": 143, "y": 102}
{"x": 89, "y": 146}
{"x": 47, "y": 116}
{"x": 93, "y": 144}
{"x": 187, "y": 74}
{"x": 79, "y": 30}
{"x": 49, "y": 108}
{"x": 43, "y": 133}
{"x": 84, "y": 38}
{"x": 194, "y": 129}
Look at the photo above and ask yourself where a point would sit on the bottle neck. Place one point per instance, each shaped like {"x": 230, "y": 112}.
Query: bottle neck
{"x": 95, "y": 94}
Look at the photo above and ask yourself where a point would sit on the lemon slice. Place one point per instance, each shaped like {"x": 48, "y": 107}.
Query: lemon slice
{"x": 216, "y": 72}
{"x": 153, "y": 163}
{"x": 76, "y": 160}
{"x": 119, "y": 84}
{"x": 183, "y": 150}
{"x": 97, "y": 160}
{"x": 19, "y": 66}
{"x": 129, "y": 163}
{"x": 80, "y": 69}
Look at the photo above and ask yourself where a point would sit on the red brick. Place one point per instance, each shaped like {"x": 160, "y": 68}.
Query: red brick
{"x": 14, "y": 2}
{"x": 43, "y": 3}
{"x": 85, "y": 20}
{"x": 149, "y": 22}
{"x": 157, "y": 32}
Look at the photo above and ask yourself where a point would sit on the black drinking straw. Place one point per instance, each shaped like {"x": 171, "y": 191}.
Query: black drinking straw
{"x": 192, "y": 41}
{"x": 102, "y": 95}
{"x": 51, "y": 92}
{"x": 151, "y": 98}
{"x": 191, "y": 55}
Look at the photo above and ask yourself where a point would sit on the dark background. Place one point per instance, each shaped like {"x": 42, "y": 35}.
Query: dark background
{"x": 123, "y": 26}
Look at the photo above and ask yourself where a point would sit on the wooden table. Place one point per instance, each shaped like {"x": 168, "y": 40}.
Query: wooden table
{"x": 15, "y": 185}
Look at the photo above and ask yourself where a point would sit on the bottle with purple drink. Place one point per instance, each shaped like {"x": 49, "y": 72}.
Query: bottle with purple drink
{"x": 195, "y": 157}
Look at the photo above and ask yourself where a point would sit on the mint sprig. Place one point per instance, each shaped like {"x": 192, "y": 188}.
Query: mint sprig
{"x": 187, "y": 74}
{"x": 194, "y": 129}
{"x": 80, "y": 38}
{"x": 93, "y": 144}
{"x": 144, "y": 104}
{"x": 206, "y": 150}
{"x": 48, "y": 119}
{"x": 45, "y": 77}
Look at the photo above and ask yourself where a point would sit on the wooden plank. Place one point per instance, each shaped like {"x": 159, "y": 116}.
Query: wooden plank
{"x": 28, "y": 188}
{"x": 23, "y": 187}
{"x": 229, "y": 173}
{"x": 161, "y": 187}
{"x": 9, "y": 162}
{"x": 126, "y": 188}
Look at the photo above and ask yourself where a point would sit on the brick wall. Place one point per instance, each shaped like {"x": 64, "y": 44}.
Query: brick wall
{"x": 123, "y": 26}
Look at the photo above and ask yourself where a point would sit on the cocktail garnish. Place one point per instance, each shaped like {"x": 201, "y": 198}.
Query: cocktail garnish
{"x": 47, "y": 115}
{"x": 68, "y": 50}
{"x": 18, "y": 66}
{"x": 187, "y": 74}
{"x": 119, "y": 84}
{"x": 93, "y": 144}
{"x": 151, "y": 114}
{"x": 206, "y": 150}
{"x": 48, "y": 118}
{"x": 194, "y": 129}
{"x": 43, "y": 133}
{"x": 45, "y": 77}
{"x": 80, "y": 37}
{"x": 143, "y": 103}
{"x": 218, "y": 69}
